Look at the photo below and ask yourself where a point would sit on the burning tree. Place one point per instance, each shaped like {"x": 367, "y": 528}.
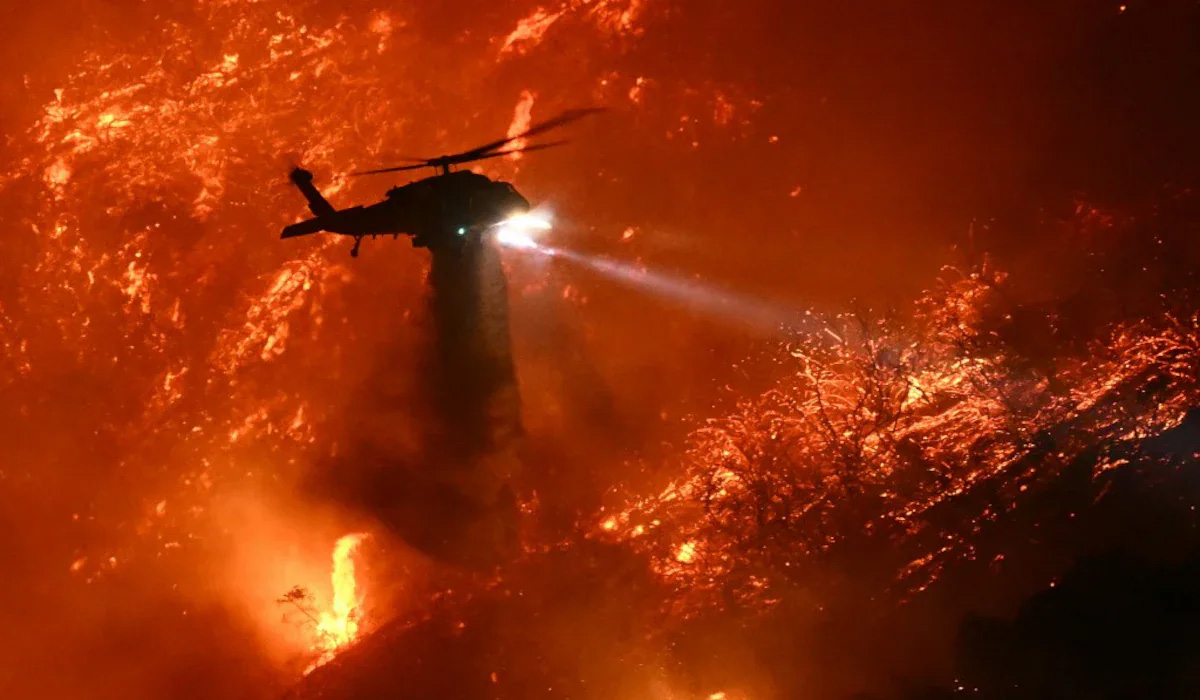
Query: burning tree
{"x": 895, "y": 442}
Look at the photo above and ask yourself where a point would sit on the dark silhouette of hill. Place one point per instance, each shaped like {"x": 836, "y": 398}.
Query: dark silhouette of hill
{"x": 1118, "y": 626}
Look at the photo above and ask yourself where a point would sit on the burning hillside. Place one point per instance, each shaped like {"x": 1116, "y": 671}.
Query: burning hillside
{"x": 224, "y": 455}
{"x": 892, "y": 453}
{"x": 913, "y": 438}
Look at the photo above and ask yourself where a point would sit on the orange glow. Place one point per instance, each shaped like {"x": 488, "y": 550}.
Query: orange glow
{"x": 169, "y": 355}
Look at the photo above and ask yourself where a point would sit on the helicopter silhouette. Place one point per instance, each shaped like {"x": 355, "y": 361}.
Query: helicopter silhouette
{"x": 443, "y": 212}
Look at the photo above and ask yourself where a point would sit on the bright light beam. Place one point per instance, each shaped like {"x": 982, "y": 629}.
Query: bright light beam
{"x": 518, "y": 231}
{"x": 729, "y": 306}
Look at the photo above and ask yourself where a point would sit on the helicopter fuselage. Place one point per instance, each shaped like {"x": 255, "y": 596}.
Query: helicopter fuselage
{"x": 445, "y": 211}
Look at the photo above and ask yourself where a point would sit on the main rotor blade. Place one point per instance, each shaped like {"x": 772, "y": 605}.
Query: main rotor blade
{"x": 398, "y": 168}
{"x": 566, "y": 117}
{"x": 459, "y": 159}
{"x": 497, "y": 154}
{"x": 486, "y": 150}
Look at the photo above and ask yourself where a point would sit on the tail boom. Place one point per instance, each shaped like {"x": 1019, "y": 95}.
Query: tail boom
{"x": 316, "y": 202}
{"x": 303, "y": 228}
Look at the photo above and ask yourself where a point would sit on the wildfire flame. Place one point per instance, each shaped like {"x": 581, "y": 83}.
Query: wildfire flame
{"x": 339, "y": 627}
{"x": 522, "y": 117}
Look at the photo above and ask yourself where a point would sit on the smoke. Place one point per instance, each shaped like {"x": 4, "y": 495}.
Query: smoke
{"x": 433, "y": 461}
{"x": 475, "y": 383}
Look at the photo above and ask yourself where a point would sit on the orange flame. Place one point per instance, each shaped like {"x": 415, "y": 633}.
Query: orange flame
{"x": 339, "y": 627}
{"x": 522, "y": 117}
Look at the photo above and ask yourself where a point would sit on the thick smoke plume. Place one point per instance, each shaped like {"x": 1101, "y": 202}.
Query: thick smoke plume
{"x": 435, "y": 465}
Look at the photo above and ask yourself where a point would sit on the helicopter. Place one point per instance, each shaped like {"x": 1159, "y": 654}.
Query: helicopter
{"x": 443, "y": 212}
